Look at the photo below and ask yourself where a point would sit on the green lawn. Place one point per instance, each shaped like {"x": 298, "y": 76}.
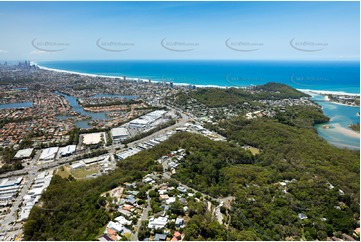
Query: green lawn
{"x": 63, "y": 172}
{"x": 81, "y": 173}
{"x": 254, "y": 150}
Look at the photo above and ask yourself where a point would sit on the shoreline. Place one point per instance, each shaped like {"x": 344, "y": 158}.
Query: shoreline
{"x": 344, "y": 104}
{"x": 346, "y": 131}
{"x": 324, "y": 93}
{"x": 122, "y": 77}
{"x": 306, "y": 91}
{"x": 328, "y": 100}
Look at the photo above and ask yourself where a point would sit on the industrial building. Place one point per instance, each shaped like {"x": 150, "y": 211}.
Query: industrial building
{"x": 41, "y": 182}
{"x": 77, "y": 165}
{"x": 119, "y": 134}
{"x": 67, "y": 150}
{"x": 9, "y": 189}
{"x": 146, "y": 120}
{"x": 92, "y": 160}
{"x": 23, "y": 154}
{"x": 127, "y": 153}
{"x": 157, "y": 114}
{"x": 10, "y": 182}
{"x": 49, "y": 154}
{"x": 93, "y": 139}
{"x": 139, "y": 123}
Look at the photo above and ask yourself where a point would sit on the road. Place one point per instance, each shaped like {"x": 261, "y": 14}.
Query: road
{"x": 142, "y": 218}
{"x": 13, "y": 211}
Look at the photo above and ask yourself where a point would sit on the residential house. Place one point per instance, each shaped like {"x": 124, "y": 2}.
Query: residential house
{"x": 160, "y": 237}
{"x": 157, "y": 223}
{"x": 179, "y": 222}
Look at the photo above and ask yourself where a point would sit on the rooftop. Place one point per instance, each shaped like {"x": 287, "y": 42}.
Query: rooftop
{"x": 49, "y": 153}
{"x": 92, "y": 138}
{"x": 25, "y": 153}
{"x": 67, "y": 150}
{"x": 119, "y": 132}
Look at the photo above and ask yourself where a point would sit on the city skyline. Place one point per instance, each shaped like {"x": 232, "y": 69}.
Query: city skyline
{"x": 179, "y": 30}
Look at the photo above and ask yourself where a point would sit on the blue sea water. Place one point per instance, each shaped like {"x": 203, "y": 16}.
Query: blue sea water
{"x": 315, "y": 75}
{"x": 335, "y": 76}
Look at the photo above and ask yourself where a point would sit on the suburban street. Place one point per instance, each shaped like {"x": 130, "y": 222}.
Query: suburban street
{"x": 142, "y": 218}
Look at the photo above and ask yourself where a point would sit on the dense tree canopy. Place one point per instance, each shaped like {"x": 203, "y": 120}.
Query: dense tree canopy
{"x": 216, "y": 97}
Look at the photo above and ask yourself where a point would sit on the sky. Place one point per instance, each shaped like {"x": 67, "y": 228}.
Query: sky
{"x": 41, "y": 31}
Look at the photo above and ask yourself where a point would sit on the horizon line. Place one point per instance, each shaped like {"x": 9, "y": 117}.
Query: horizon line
{"x": 303, "y": 60}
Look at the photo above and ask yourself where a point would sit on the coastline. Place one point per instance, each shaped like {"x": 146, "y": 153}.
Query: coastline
{"x": 122, "y": 77}
{"x": 323, "y": 92}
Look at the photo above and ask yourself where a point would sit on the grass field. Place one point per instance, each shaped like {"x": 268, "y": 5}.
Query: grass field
{"x": 63, "y": 171}
{"x": 81, "y": 173}
{"x": 253, "y": 150}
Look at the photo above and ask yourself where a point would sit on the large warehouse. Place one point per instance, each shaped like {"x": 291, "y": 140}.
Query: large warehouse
{"x": 25, "y": 153}
{"x": 139, "y": 123}
{"x": 119, "y": 134}
{"x": 67, "y": 150}
{"x": 93, "y": 138}
{"x": 49, "y": 153}
{"x": 146, "y": 120}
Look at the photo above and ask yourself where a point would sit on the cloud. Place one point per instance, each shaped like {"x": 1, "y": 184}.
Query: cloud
{"x": 3, "y": 51}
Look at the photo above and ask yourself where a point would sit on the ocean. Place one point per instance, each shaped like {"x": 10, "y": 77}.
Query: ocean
{"x": 315, "y": 75}
{"x": 330, "y": 76}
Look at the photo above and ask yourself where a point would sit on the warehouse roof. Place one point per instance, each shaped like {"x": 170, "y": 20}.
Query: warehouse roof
{"x": 25, "y": 153}
{"x": 121, "y": 131}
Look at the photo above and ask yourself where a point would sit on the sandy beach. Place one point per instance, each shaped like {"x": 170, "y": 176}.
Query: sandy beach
{"x": 346, "y": 131}
{"x": 320, "y": 92}
{"x": 127, "y": 78}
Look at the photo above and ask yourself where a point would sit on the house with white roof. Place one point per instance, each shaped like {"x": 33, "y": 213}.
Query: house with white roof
{"x": 157, "y": 223}
{"x": 123, "y": 221}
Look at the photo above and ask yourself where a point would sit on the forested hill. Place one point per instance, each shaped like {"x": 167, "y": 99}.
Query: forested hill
{"x": 291, "y": 175}
{"x": 274, "y": 90}
{"x": 216, "y": 97}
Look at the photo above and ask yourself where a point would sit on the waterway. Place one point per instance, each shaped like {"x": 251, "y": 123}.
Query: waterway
{"x": 16, "y": 105}
{"x": 93, "y": 115}
{"x": 339, "y": 134}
